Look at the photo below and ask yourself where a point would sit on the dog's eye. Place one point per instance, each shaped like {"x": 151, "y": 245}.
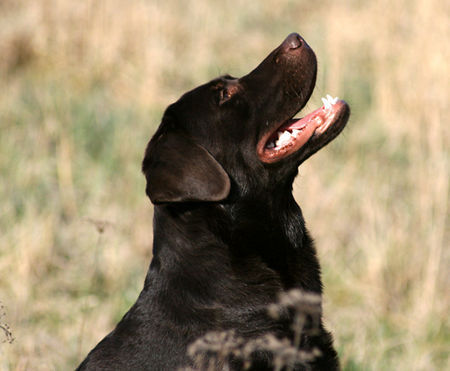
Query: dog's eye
{"x": 226, "y": 90}
{"x": 224, "y": 95}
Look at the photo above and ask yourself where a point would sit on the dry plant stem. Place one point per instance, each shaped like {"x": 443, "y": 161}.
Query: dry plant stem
{"x": 9, "y": 338}
{"x": 214, "y": 350}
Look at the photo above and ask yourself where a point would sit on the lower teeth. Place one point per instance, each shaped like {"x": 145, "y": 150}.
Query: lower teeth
{"x": 285, "y": 140}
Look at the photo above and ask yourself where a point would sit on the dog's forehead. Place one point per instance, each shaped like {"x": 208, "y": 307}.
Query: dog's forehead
{"x": 206, "y": 89}
{"x": 207, "y": 92}
{"x": 194, "y": 103}
{"x": 198, "y": 108}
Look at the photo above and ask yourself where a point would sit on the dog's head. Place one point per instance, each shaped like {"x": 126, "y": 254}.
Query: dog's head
{"x": 237, "y": 137}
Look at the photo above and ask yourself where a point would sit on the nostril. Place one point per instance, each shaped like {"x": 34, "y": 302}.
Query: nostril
{"x": 294, "y": 41}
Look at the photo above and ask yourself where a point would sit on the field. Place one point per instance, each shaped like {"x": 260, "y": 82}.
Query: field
{"x": 83, "y": 85}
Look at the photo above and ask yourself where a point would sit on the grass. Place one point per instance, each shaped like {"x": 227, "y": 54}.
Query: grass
{"x": 83, "y": 87}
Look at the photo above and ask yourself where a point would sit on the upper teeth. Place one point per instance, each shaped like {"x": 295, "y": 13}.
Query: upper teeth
{"x": 329, "y": 101}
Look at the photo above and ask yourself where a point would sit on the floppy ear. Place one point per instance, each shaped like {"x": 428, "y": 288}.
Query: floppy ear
{"x": 178, "y": 170}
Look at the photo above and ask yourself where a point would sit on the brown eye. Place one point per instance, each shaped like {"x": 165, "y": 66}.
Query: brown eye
{"x": 224, "y": 95}
{"x": 226, "y": 90}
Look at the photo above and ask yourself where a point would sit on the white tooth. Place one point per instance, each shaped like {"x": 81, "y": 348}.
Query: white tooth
{"x": 326, "y": 104}
{"x": 295, "y": 133}
{"x": 271, "y": 145}
{"x": 283, "y": 138}
{"x": 286, "y": 136}
{"x": 280, "y": 133}
{"x": 330, "y": 99}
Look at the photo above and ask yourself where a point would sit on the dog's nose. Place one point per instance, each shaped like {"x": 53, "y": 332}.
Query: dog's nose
{"x": 293, "y": 41}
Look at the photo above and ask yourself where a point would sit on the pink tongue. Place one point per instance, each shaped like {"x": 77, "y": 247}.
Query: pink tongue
{"x": 301, "y": 123}
{"x": 294, "y": 124}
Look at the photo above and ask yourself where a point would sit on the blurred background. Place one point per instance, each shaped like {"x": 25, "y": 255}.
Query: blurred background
{"x": 83, "y": 85}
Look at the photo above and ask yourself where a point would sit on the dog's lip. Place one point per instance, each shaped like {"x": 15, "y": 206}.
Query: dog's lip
{"x": 296, "y": 133}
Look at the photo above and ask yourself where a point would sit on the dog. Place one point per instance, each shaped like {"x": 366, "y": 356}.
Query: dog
{"x": 228, "y": 234}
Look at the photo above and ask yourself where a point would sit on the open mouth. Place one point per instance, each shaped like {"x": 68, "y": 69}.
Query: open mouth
{"x": 320, "y": 126}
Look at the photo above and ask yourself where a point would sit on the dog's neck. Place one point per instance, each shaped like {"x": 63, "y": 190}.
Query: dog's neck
{"x": 215, "y": 265}
{"x": 226, "y": 237}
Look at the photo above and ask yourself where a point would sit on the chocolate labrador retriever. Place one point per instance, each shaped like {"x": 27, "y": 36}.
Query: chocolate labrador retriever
{"x": 228, "y": 234}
